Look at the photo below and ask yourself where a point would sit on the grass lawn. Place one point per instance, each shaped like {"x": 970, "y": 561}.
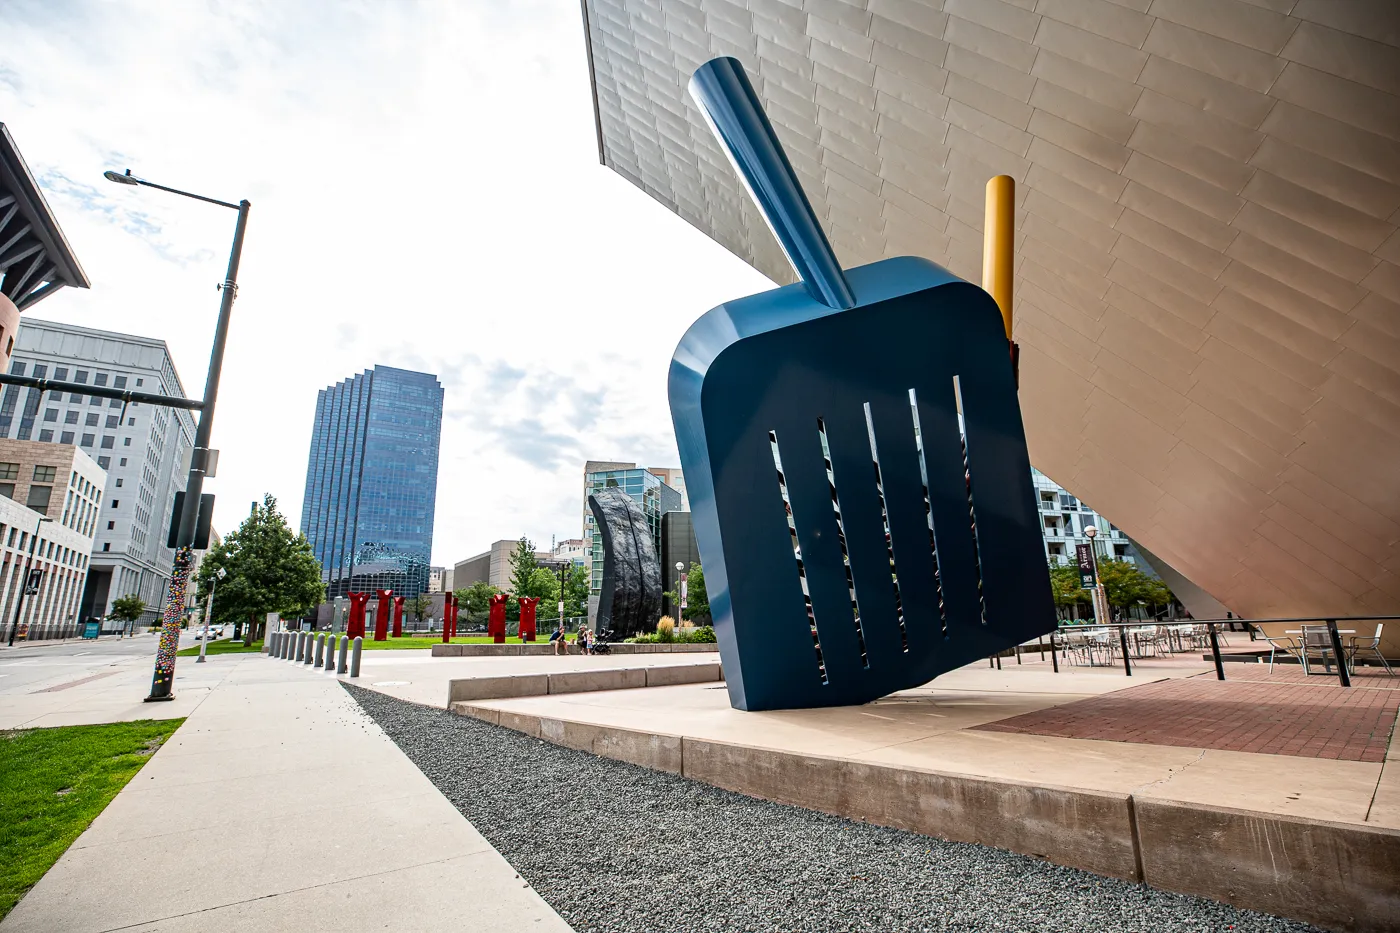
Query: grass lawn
{"x": 54, "y": 782}
{"x": 222, "y": 646}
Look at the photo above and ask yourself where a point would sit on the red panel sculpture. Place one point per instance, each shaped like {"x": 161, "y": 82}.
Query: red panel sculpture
{"x": 446, "y": 618}
{"x": 527, "y": 616}
{"x": 398, "y": 616}
{"x": 456, "y": 606}
{"x": 496, "y": 626}
{"x": 381, "y": 616}
{"x": 355, "y": 628}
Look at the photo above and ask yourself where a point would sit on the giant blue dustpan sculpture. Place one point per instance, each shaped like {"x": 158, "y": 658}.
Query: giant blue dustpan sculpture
{"x": 859, "y": 536}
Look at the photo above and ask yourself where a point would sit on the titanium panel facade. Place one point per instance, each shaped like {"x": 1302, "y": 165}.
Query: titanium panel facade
{"x": 1208, "y": 264}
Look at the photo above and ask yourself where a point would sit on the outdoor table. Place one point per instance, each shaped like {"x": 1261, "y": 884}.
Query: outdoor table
{"x": 1326, "y": 664}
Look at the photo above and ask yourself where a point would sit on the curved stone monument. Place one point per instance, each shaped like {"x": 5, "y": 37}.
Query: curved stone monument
{"x": 630, "y": 601}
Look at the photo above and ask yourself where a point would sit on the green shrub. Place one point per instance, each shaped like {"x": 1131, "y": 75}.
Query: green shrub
{"x": 701, "y": 635}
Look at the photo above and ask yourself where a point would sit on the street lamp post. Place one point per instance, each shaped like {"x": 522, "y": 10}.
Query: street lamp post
{"x": 209, "y": 611}
{"x": 680, "y": 594}
{"x": 163, "y": 680}
{"x": 24, "y": 582}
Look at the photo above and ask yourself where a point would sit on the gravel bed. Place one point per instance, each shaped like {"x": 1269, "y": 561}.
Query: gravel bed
{"x": 616, "y": 848}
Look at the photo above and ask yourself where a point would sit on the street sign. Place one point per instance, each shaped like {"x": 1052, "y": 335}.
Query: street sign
{"x": 683, "y": 595}
{"x": 31, "y": 585}
{"x": 1084, "y": 556}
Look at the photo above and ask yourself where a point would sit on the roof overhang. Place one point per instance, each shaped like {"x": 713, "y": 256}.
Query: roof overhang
{"x": 35, "y": 258}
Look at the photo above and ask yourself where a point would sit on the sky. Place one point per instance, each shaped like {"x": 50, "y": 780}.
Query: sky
{"x": 425, "y": 192}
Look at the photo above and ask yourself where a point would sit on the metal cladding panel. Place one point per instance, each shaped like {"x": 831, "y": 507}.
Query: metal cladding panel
{"x": 909, "y": 552}
{"x": 1208, "y": 264}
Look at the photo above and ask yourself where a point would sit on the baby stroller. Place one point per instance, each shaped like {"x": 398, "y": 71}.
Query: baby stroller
{"x": 600, "y": 643}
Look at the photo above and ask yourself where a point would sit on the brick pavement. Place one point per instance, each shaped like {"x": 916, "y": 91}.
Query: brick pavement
{"x": 1278, "y": 714}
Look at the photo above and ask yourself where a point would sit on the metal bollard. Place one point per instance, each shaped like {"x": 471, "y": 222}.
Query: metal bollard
{"x": 355, "y": 648}
{"x": 301, "y": 647}
{"x": 281, "y": 645}
{"x": 288, "y": 647}
{"x": 271, "y": 644}
{"x": 341, "y": 667}
{"x": 311, "y": 646}
{"x": 320, "y": 650}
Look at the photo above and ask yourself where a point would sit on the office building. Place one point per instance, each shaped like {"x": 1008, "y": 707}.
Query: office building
{"x": 50, "y": 503}
{"x": 493, "y": 566}
{"x": 655, "y": 497}
{"x": 572, "y": 551}
{"x": 677, "y": 547}
{"x": 438, "y": 579}
{"x": 371, "y": 481}
{"x": 673, "y": 477}
{"x": 144, "y": 449}
{"x": 1207, "y": 256}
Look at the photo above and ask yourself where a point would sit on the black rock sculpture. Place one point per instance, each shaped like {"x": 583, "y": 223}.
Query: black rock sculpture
{"x": 630, "y": 601}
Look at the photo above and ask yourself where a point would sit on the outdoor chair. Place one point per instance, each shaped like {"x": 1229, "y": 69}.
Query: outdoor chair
{"x": 1317, "y": 641}
{"x": 1276, "y": 644}
{"x": 1371, "y": 645}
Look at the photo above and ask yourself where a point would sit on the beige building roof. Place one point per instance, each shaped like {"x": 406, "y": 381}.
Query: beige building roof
{"x": 1208, "y": 268}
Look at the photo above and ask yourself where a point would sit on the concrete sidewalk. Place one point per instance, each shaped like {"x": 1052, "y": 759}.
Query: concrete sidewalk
{"x": 277, "y": 806}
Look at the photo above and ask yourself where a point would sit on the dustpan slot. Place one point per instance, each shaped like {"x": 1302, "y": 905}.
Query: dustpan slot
{"x": 928, "y": 513}
{"x": 841, "y": 540}
{"x": 971, "y": 507}
{"x": 797, "y": 554}
{"x": 885, "y": 521}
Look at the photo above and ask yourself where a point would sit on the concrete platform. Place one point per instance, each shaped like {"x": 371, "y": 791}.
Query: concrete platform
{"x": 1313, "y": 838}
{"x": 542, "y": 648}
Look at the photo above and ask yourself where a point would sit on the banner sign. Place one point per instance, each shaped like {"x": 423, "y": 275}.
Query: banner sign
{"x": 1084, "y": 556}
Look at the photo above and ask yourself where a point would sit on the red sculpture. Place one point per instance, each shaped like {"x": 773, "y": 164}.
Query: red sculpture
{"x": 527, "y": 616}
{"x": 446, "y": 617}
{"x": 496, "y": 627}
{"x": 355, "y": 628}
{"x": 398, "y": 616}
{"x": 455, "y": 607}
{"x": 381, "y": 616}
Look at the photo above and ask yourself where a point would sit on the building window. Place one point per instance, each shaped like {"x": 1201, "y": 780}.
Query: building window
{"x": 46, "y": 435}
{"x": 61, "y": 373}
{"x": 131, "y": 422}
{"x": 17, "y": 368}
{"x": 9, "y": 471}
{"x": 87, "y": 440}
{"x": 126, "y": 442}
{"x": 39, "y": 497}
{"x": 8, "y": 491}
{"x": 51, "y": 414}
{"x": 139, "y": 381}
{"x": 113, "y": 421}
{"x": 116, "y": 502}
{"x": 119, "y": 382}
{"x": 108, "y": 442}
{"x": 94, "y": 400}
{"x": 45, "y": 474}
{"x": 111, "y": 525}
{"x": 115, "y": 403}
{"x": 75, "y": 398}
{"x": 104, "y": 462}
{"x": 100, "y": 379}
{"x": 119, "y": 482}
{"x": 66, "y": 437}
{"x": 70, "y": 417}
{"x": 106, "y": 545}
{"x": 92, "y": 420}
{"x": 123, "y": 461}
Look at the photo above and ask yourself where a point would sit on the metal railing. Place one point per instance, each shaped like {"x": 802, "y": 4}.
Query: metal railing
{"x": 1213, "y": 637}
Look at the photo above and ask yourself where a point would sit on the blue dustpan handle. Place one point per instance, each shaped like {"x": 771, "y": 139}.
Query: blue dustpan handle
{"x": 736, "y": 116}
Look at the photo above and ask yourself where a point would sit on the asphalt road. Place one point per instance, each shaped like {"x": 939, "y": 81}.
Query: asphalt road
{"x": 24, "y": 666}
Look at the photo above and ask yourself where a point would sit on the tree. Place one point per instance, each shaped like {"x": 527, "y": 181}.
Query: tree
{"x": 576, "y": 588}
{"x": 696, "y": 599}
{"x": 476, "y": 600}
{"x": 419, "y": 606}
{"x": 523, "y": 565}
{"x": 127, "y": 609}
{"x": 1126, "y": 585}
{"x": 1064, "y": 586}
{"x": 269, "y": 569}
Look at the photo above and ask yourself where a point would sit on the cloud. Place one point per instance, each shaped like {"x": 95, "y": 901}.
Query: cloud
{"x": 425, "y": 194}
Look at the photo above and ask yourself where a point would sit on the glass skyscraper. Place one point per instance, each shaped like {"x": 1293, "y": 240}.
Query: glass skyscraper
{"x": 371, "y": 481}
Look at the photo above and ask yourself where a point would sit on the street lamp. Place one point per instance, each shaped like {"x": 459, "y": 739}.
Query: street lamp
{"x": 680, "y": 590}
{"x": 163, "y": 680}
{"x": 1100, "y": 597}
{"x": 24, "y": 586}
{"x": 209, "y": 611}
